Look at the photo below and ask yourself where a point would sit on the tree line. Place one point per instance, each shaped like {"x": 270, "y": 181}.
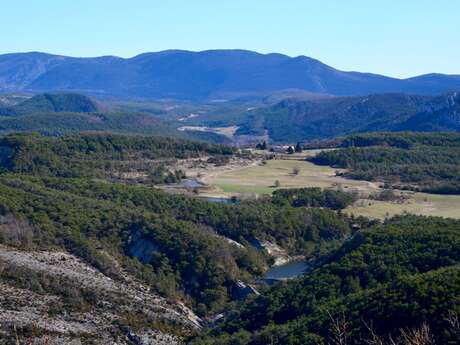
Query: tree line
{"x": 428, "y": 162}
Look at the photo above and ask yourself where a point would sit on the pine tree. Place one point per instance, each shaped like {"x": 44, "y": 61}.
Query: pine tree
{"x": 264, "y": 145}
{"x": 298, "y": 148}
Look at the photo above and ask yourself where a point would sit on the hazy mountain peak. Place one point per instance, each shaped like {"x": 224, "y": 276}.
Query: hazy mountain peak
{"x": 184, "y": 74}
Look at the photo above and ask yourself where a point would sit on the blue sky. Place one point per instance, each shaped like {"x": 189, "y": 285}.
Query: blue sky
{"x": 399, "y": 38}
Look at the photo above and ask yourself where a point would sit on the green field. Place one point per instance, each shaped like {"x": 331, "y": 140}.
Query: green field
{"x": 260, "y": 180}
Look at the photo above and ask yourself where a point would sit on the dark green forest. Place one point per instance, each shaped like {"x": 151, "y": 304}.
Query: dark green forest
{"x": 61, "y": 123}
{"x": 100, "y": 154}
{"x": 52, "y": 103}
{"x": 293, "y": 120}
{"x": 390, "y": 277}
{"x": 314, "y": 197}
{"x": 428, "y": 162}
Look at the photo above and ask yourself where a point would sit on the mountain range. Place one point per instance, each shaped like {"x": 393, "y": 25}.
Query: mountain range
{"x": 212, "y": 74}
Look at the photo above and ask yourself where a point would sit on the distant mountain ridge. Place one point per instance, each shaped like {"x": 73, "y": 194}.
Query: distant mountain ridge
{"x": 208, "y": 74}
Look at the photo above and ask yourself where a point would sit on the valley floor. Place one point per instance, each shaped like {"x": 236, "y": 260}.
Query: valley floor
{"x": 259, "y": 178}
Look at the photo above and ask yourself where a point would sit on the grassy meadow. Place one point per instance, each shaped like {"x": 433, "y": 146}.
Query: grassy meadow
{"x": 261, "y": 180}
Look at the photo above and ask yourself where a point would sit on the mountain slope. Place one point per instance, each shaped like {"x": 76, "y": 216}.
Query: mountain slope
{"x": 60, "y": 113}
{"x": 37, "y": 285}
{"x": 52, "y": 103}
{"x": 428, "y": 162}
{"x": 292, "y": 120}
{"x": 61, "y": 123}
{"x": 397, "y": 276}
{"x": 212, "y": 73}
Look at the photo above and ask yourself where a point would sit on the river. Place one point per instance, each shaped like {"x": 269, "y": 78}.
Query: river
{"x": 228, "y": 201}
{"x": 287, "y": 271}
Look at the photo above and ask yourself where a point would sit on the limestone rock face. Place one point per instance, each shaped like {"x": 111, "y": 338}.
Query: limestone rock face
{"x": 55, "y": 298}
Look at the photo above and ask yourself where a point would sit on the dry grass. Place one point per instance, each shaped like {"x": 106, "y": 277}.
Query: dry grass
{"x": 260, "y": 180}
{"x": 418, "y": 203}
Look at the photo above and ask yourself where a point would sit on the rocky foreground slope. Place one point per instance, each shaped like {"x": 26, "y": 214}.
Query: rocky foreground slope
{"x": 55, "y": 298}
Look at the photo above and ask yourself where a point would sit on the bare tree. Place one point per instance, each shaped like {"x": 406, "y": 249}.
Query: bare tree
{"x": 376, "y": 339}
{"x": 339, "y": 329}
{"x": 417, "y": 336}
{"x": 295, "y": 171}
{"x": 414, "y": 336}
{"x": 453, "y": 319}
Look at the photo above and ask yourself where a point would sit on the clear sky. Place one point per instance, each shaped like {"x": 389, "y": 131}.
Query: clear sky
{"x": 399, "y": 38}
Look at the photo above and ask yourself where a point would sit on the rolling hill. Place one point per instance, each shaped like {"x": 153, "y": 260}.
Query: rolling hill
{"x": 65, "y": 122}
{"x": 178, "y": 74}
{"x": 64, "y": 113}
{"x": 52, "y": 103}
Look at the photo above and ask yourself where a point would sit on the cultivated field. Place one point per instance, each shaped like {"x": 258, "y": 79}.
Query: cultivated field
{"x": 261, "y": 179}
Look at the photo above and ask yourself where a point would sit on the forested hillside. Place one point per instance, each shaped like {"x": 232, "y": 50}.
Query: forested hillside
{"x": 65, "y": 123}
{"x": 428, "y": 162}
{"x": 94, "y": 154}
{"x": 64, "y": 113}
{"x": 51, "y": 103}
{"x": 398, "y": 280}
{"x": 57, "y": 114}
{"x": 293, "y": 120}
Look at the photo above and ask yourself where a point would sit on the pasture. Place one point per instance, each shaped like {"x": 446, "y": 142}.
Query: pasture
{"x": 262, "y": 179}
